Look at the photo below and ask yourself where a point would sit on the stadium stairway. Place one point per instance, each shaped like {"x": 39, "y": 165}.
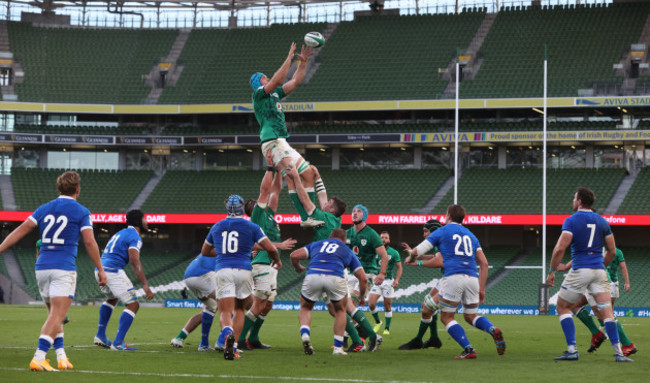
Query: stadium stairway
{"x": 474, "y": 64}
{"x": 620, "y": 193}
{"x": 146, "y": 191}
{"x": 13, "y": 268}
{"x": 173, "y": 73}
{"x": 7, "y": 193}
{"x": 502, "y": 273}
{"x": 440, "y": 193}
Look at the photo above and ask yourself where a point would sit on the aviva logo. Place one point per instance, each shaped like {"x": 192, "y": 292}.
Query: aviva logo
{"x": 241, "y": 108}
{"x": 614, "y": 101}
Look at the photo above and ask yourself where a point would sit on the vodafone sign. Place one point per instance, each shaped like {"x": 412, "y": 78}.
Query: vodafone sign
{"x": 373, "y": 219}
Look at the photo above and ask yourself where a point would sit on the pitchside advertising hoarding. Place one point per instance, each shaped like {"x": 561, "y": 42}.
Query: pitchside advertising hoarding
{"x": 373, "y": 219}
{"x": 639, "y": 312}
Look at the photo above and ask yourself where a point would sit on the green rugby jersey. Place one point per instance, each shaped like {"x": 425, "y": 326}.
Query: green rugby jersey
{"x": 393, "y": 258}
{"x": 331, "y": 222}
{"x": 364, "y": 244}
{"x": 269, "y": 114}
{"x": 612, "y": 269}
{"x": 265, "y": 218}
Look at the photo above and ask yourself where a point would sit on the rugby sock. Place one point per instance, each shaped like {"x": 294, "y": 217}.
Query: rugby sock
{"x": 293, "y": 196}
{"x": 622, "y": 335}
{"x": 338, "y": 341}
{"x": 588, "y": 321}
{"x": 612, "y": 332}
{"x": 458, "y": 333}
{"x": 434, "y": 326}
{"x": 569, "y": 329}
{"x": 482, "y": 323}
{"x": 304, "y": 332}
{"x": 312, "y": 194}
{"x": 221, "y": 341}
{"x": 389, "y": 317}
{"x": 58, "y": 347}
{"x": 375, "y": 314}
{"x": 206, "y": 323}
{"x": 360, "y": 318}
{"x": 255, "y": 331}
{"x": 105, "y": 311}
{"x": 424, "y": 326}
{"x": 352, "y": 332}
{"x": 182, "y": 335}
{"x": 249, "y": 321}
{"x": 44, "y": 344}
{"x": 126, "y": 319}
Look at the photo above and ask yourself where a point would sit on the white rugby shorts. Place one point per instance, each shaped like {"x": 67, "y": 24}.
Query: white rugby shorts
{"x": 314, "y": 286}
{"x": 386, "y": 289}
{"x": 56, "y": 283}
{"x": 280, "y": 149}
{"x": 203, "y": 285}
{"x": 461, "y": 288}
{"x": 583, "y": 281}
{"x": 234, "y": 283}
{"x": 613, "y": 292}
{"x": 118, "y": 286}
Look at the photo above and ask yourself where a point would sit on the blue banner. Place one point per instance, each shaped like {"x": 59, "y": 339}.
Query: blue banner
{"x": 640, "y": 312}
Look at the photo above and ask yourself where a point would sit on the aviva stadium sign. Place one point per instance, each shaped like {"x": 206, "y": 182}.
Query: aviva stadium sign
{"x": 331, "y": 106}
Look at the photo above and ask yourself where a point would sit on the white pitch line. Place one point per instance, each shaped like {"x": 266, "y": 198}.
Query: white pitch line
{"x": 210, "y": 376}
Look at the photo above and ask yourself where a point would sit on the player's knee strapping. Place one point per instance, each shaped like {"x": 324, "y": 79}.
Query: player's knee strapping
{"x": 283, "y": 172}
{"x": 470, "y": 310}
{"x": 604, "y": 305}
{"x": 211, "y": 305}
{"x": 446, "y": 308}
{"x": 355, "y": 297}
{"x": 251, "y": 316}
{"x": 304, "y": 165}
{"x": 266, "y": 295}
{"x": 430, "y": 304}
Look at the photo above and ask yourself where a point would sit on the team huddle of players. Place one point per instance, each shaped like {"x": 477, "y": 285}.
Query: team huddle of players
{"x": 236, "y": 272}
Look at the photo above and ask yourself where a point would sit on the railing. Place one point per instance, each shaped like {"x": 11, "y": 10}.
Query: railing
{"x": 188, "y": 17}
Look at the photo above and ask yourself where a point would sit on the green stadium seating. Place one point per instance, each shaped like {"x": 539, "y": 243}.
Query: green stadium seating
{"x": 101, "y": 191}
{"x": 583, "y": 43}
{"x": 71, "y": 65}
{"x": 83, "y": 130}
{"x": 637, "y": 261}
{"x": 218, "y": 63}
{"x": 389, "y": 57}
{"x": 519, "y": 191}
{"x": 27, "y": 260}
{"x": 182, "y": 191}
{"x": 637, "y": 200}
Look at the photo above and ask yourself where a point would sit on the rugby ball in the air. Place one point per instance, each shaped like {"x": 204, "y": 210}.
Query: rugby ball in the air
{"x": 314, "y": 39}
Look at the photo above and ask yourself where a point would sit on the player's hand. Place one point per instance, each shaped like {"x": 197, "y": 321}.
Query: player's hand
{"x": 148, "y": 293}
{"x": 627, "y": 287}
{"x": 287, "y": 244}
{"x": 292, "y": 51}
{"x": 101, "y": 275}
{"x": 481, "y": 296}
{"x": 269, "y": 158}
{"x": 550, "y": 280}
{"x": 410, "y": 261}
{"x": 395, "y": 284}
{"x": 362, "y": 301}
{"x": 304, "y": 54}
{"x": 562, "y": 267}
{"x": 379, "y": 279}
{"x": 277, "y": 265}
{"x": 300, "y": 268}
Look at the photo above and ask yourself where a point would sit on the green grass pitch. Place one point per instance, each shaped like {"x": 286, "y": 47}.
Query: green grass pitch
{"x": 532, "y": 342}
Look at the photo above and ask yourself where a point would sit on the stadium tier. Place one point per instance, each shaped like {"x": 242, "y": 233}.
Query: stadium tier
{"x": 92, "y": 130}
{"x": 519, "y": 190}
{"x": 583, "y": 43}
{"x": 204, "y": 192}
{"x": 102, "y": 191}
{"x": 637, "y": 261}
{"x": 389, "y": 57}
{"x": 26, "y": 261}
{"x": 218, "y": 63}
{"x": 86, "y": 65}
{"x": 637, "y": 199}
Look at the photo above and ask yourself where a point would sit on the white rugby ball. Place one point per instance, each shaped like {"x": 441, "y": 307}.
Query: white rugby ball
{"x": 314, "y": 39}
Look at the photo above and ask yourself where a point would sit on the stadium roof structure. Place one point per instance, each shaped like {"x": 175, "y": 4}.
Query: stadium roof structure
{"x": 223, "y": 5}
